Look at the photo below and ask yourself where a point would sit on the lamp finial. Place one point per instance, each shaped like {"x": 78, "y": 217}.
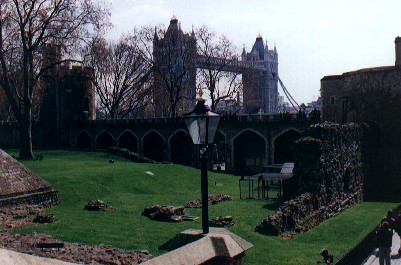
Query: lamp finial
{"x": 200, "y": 93}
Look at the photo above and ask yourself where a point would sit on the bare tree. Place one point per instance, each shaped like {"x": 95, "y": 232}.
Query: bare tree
{"x": 172, "y": 54}
{"x": 26, "y": 27}
{"x": 218, "y": 62}
{"x": 5, "y": 109}
{"x": 121, "y": 77}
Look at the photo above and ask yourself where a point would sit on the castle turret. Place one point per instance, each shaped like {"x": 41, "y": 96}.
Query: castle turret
{"x": 193, "y": 32}
{"x": 259, "y": 47}
{"x": 397, "y": 42}
{"x": 243, "y": 54}
{"x": 155, "y": 38}
{"x": 260, "y": 89}
{"x": 173, "y": 24}
{"x": 174, "y": 50}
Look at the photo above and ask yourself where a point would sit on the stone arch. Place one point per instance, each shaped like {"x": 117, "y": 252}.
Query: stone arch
{"x": 219, "y": 148}
{"x": 249, "y": 151}
{"x": 220, "y": 137}
{"x": 283, "y": 145}
{"x": 104, "y": 140}
{"x": 84, "y": 140}
{"x": 128, "y": 140}
{"x": 181, "y": 148}
{"x": 153, "y": 145}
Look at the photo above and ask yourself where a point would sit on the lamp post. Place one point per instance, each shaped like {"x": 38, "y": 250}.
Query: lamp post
{"x": 202, "y": 126}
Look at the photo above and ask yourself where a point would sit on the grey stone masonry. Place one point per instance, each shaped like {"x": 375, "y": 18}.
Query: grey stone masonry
{"x": 18, "y": 184}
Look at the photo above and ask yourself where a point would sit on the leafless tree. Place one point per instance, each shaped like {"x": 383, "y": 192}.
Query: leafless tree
{"x": 26, "y": 27}
{"x": 121, "y": 76}
{"x": 5, "y": 109}
{"x": 172, "y": 54}
{"x": 218, "y": 62}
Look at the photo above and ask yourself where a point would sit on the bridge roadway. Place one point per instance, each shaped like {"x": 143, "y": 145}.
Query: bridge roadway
{"x": 227, "y": 65}
{"x": 243, "y": 143}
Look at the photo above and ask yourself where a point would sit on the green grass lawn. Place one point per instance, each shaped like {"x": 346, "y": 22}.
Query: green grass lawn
{"x": 83, "y": 176}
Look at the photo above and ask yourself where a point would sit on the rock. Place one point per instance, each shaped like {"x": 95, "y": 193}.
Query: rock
{"x": 222, "y": 221}
{"x": 98, "y": 205}
{"x": 44, "y": 218}
{"x": 164, "y": 213}
{"x": 211, "y": 200}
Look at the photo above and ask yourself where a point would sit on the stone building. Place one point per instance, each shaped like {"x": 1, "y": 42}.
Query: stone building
{"x": 68, "y": 96}
{"x": 371, "y": 96}
{"x": 260, "y": 82}
{"x": 174, "y": 55}
{"x": 365, "y": 95}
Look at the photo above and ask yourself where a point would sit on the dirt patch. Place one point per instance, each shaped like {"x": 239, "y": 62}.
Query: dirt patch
{"x": 71, "y": 252}
{"x": 18, "y": 216}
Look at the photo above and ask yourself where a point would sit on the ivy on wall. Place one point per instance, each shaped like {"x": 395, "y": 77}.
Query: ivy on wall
{"x": 330, "y": 170}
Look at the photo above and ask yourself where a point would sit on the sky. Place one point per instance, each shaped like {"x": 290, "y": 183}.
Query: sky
{"x": 314, "y": 38}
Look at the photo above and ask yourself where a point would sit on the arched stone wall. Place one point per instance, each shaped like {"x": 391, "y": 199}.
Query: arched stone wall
{"x": 181, "y": 148}
{"x": 84, "y": 140}
{"x": 283, "y": 146}
{"x": 163, "y": 130}
{"x": 219, "y": 148}
{"x": 153, "y": 146}
{"x": 249, "y": 151}
{"x": 104, "y": 140}
{"x": 128, "y": 140}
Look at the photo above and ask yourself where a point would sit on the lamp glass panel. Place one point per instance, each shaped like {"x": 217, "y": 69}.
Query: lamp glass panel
{"x": 197, "y": 128}
{"x": 193, "y": 129}
{"x": 213, "y": 124}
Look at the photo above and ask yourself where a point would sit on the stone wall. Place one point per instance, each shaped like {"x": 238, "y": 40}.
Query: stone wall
{"x": 332, "y": 89}
{"x": 367, "y": 95}
{"x": 371, "y": 96}
{"x": 329, "y": 167}
{"x": 329, "y": 160}
{"x": 20, "y": 185}
{"x": 47, "y": 198}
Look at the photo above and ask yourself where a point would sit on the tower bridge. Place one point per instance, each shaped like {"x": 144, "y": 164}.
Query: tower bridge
{"x": 259, "y": 69}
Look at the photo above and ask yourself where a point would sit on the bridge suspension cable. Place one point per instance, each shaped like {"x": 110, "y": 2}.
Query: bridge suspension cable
{"x": 288, "y": 95}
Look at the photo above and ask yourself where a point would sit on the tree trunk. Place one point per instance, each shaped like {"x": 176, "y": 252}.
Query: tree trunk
{"x": 173, "y": 113}
{"x": 212, "y": 89}
{"x": 25, "y": 130}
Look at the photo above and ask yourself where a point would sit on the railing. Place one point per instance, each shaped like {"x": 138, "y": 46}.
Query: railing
{"x": 231, "y": 65}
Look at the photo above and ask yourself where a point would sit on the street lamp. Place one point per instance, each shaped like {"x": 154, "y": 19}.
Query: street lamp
{"x": 202, "y": 126}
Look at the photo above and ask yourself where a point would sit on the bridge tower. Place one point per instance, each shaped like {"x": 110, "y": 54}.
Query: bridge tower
{"x": 260, "y": 80}
{"x": 174, "y": 53}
